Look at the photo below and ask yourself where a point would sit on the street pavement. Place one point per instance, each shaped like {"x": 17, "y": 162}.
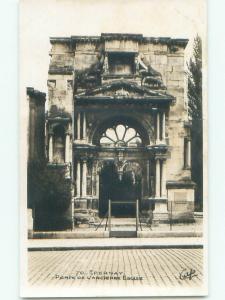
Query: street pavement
{"x": 160, "y": 268}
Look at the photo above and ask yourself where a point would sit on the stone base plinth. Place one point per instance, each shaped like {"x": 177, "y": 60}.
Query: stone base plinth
{"x": 86, "y": 203}
{"x": 160, "y": 214}
{"x": 159, "y": 217}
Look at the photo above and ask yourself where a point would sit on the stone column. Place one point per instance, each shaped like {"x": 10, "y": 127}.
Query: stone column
{"x": 106, "y": 64}
{"x": 157, "y": 128}
{"x": 50, "y": 148}
{"x": 84, "y": 126}
{"x": 97, "y": 184}
{"x": 189, "y": 153}
{"x": 84, "y": 179}
{"x": 93, "y": 178}
{"x": 72, "y": 213}
{"x": 163, "y": 180}
{"x": 67, "y": 148}
{"x": 163, "y": 127}
{"x": 78, "y": 179}
{"x": 160, "y": 213}
{"x": 78, "y": 126}
{"x": 148, "y": 177}
{"x": 157, "y": 179}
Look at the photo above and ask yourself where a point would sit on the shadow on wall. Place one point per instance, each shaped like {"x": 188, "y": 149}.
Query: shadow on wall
{"x": 47, "y": 221}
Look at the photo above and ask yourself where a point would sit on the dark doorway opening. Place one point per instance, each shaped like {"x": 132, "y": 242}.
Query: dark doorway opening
{"x": 126, "y": 188}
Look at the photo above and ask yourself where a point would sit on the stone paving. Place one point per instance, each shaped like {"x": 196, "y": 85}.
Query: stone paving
{"x": 130, "y": 224}
{"x": 166, "y": 268}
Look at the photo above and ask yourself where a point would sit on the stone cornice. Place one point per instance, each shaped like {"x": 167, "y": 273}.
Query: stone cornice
{"x": 121, "y": 36}
{"x": 126, "y": 100}
{"x": 63, "y": 40}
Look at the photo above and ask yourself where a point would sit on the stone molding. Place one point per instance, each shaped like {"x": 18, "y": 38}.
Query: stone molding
{"x": 180, "y": 184}
{"x": 120, "y": 36}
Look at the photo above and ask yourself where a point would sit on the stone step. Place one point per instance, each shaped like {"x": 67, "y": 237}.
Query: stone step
{"x": 122, "y": 234}
{"x": 122, "y": 222}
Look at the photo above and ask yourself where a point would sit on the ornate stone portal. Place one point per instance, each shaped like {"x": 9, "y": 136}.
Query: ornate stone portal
{"x": 116, "y": 116}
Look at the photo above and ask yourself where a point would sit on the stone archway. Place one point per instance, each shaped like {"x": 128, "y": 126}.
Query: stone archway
{"x": 145, "y": 131}
{"x": 121, "y": 144}
{"x": 119, "y": 188}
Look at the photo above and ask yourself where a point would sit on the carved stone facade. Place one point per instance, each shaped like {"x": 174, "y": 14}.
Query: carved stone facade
{"x": 117, "y": 118}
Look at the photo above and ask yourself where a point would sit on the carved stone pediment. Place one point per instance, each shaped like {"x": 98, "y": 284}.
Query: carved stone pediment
{"x": 120, "y": 89}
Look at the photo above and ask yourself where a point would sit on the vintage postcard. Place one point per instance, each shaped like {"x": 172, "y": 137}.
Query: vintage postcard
{"x": 113, "y": 110}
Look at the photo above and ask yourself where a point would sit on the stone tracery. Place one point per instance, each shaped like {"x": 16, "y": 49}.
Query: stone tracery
{"x": 121, "y": 136}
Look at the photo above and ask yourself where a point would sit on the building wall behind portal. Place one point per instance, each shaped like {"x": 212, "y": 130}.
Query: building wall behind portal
{"x": 36, "y": 142}
{"x": 169, "y": 61}
{"x": 177, "y": 117}
{"x": 60, "y": 79}
{"x": 36, "y": 131}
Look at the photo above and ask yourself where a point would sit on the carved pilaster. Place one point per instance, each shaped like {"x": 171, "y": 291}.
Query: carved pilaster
{"x": 106, "y": 64}
{"x": 84, "y": 178}
{"x": 78, "y": 179}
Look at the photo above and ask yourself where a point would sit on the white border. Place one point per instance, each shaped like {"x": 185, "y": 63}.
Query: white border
{"x": 9, "y": 149}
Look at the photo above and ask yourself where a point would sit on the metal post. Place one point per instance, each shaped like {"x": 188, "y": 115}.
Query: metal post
{"x": 107, "y": 218}
{"x": 109, "y": 215}
{"x": 137, "y": 216}
{"x": 72, "y": 227}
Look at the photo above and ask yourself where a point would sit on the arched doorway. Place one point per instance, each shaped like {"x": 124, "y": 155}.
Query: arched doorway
{"x": 119, "y": 188}
{"x": 121, "y": 149}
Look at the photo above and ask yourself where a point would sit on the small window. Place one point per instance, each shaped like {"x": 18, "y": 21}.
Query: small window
{"x": 121, "y": 63}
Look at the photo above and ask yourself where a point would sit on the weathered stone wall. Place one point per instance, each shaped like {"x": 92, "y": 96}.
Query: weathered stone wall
{"x": 156, "y": 56}
{"x": 177, "y": 116}
{"x": 86, "y": 54}
{"x": 60, "y": 79}
{"x": 60, "y": 91}
{"x": 36, "y": 130}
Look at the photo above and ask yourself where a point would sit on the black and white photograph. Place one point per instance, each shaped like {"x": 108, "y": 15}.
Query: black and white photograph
{"x": 114, "y": 147}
